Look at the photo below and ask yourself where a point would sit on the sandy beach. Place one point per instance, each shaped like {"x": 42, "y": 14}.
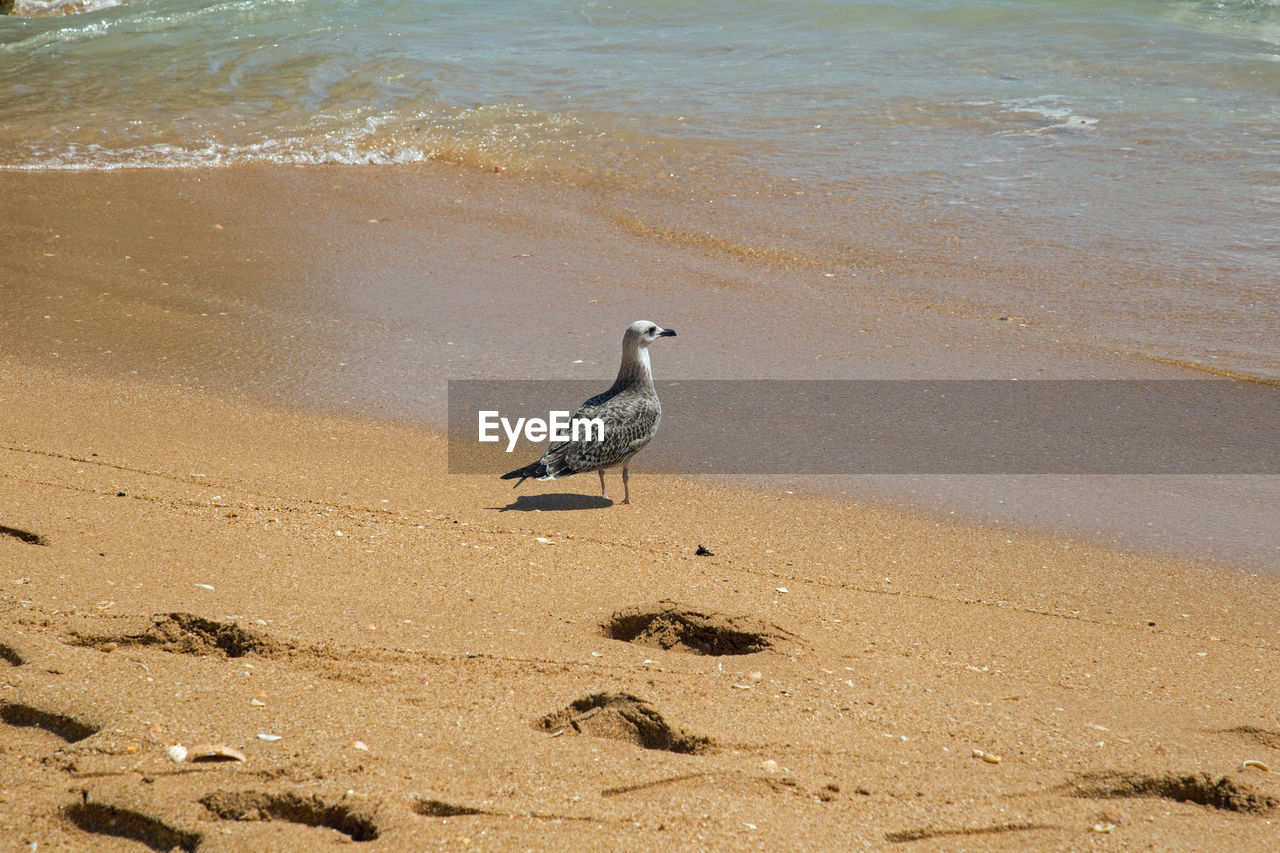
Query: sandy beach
{"x": 184, "y": 570}
{"x": 959, "y": 534}
{"x": 209, "y": 539}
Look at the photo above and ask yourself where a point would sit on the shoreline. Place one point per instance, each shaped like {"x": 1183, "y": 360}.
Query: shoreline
{"x": 405, "y": 633}
{"x": 360, "y": 290}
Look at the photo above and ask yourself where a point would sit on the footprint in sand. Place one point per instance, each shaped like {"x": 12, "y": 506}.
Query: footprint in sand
{"x": 104, "y": 819}
{"x": 71, "y": 729}
{"x": 620, "y": 716}
{"x": 358, "y": 822}
{"x": 11, "y": 655}
{"x": 23, "y": 535}
{"x": 671, "y": 626}
{"x": 1200, "y": 788}
{"x": 187, "y": 633}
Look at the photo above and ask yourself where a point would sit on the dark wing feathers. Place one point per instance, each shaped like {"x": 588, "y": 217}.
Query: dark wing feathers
{"x": 630, "y": 419}
{"x": 537, "y": 469}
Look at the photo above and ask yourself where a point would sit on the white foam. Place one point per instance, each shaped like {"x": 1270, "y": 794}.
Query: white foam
{"x": 1049, "y": 107}
{"x": 496, "y": 135}
{"x": 58, "y": 8}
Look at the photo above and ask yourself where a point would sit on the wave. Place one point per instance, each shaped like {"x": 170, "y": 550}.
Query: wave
{"x": 507, "y": 136}
{"x": 54, "y": 8}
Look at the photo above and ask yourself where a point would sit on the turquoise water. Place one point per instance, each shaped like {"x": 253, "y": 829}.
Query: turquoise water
{"x": 1111, "y": 169}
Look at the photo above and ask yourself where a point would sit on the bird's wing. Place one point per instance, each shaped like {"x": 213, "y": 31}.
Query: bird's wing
{"x": 630, "y": 422}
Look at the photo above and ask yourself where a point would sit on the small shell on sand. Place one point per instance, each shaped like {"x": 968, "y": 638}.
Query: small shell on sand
{"x": 1255, "y": 764}
{"x": 264, "y": 736}
{"x": 988, "y": 757}
{"x": 177, "y": 753}
{"x": 211, "y": 752}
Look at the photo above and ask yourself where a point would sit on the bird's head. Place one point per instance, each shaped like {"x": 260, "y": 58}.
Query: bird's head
{"x": 641, "y": 333}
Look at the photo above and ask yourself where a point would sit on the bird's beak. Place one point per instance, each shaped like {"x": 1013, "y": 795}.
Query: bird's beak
{"x": 667, "y": 333}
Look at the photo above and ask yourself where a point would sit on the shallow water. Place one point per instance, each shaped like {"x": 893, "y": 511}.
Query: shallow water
{"x": 1106, "y": 170}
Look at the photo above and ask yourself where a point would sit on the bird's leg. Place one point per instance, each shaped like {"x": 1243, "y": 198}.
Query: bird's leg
{"x": 626, "y": 490}
{"x": 603, "y": 493}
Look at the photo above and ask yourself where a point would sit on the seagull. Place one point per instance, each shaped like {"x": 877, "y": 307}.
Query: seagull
{"x": 630, "y": 412}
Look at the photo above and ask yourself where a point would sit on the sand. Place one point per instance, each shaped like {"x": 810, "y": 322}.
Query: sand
{"x": 359, "y": 290}
{"x": 190, "y": 556}
{"x": 209, "y": 571}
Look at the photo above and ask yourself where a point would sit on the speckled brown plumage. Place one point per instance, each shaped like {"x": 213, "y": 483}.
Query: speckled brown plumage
{"x": 629, "y": 409}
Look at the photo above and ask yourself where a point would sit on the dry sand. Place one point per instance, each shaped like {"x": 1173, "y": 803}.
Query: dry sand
{"x": 208, "y": 572}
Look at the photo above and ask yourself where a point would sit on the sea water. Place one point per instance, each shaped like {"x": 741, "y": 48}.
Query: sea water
{"x": 1110, "y": 170}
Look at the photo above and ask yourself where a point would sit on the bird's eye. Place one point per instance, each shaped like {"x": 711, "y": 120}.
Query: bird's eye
{"x": 653, "y": 330}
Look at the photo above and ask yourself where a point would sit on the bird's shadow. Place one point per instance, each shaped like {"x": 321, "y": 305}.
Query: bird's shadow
{"x": 554, "y": 503}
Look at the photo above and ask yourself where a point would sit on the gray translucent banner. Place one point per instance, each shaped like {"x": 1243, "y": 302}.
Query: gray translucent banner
{"x": 905, "y": 426}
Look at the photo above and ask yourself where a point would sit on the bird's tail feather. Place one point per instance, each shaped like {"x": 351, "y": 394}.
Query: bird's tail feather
{"x": 536, "y": 470}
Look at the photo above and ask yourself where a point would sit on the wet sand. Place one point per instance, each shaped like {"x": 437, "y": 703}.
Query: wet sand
{"x": 360, "y": 291}
{"x": 255, "y": 535}
{"x": 376, "y": 282}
